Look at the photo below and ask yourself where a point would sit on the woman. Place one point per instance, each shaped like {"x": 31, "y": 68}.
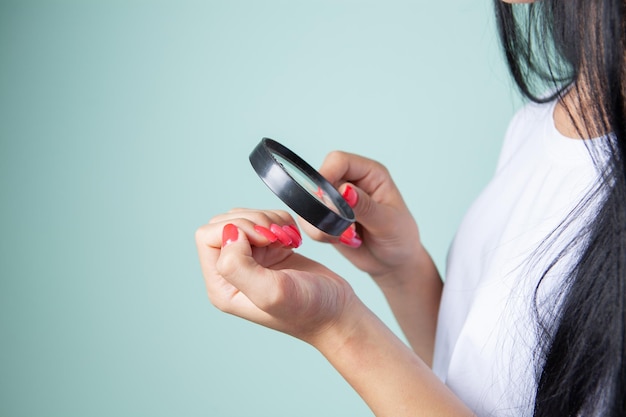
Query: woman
{"x": 532, "y": 316}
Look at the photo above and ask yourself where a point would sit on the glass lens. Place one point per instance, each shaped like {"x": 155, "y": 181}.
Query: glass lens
{"x": 305, "y": 182}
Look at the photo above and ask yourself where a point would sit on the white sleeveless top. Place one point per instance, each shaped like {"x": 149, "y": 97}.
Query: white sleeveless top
{"x": 486, "y": 335}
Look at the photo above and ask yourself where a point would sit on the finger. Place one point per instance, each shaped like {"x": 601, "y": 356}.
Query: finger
{"x": 287, "y": 235}
{"x": 220, "y": 292}
{"x": 262, "y": 227}
{"x": 263, "y": 217}
{"x": 315, "y": 233}
{"x": 361, "y": 210}
{"x": 351, "y": 238}
{"x": 210, "y": 235}
{"x": 371, "y": 176}
{"x": 370, "y": 214}
{"x": 237, "y": 266}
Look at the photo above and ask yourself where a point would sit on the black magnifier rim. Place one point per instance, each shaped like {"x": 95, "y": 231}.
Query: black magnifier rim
{"x": 275, "y": 176}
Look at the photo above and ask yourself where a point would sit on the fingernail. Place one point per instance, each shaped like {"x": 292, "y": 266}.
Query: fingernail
{"x": 349, "y": 233}
{"x": 282, "y": 236}
{"x": 266, "y": 232}
{"x": 350, "y": 238}
{"x": 229, "y": 234}
{"x": 296, "y": 239}
{"x": 295, "y": 229}
{"x": 350, "y": 195}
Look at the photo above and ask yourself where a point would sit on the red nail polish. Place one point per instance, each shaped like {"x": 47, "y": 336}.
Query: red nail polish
{"x": 266, "y": 232}
{"x": 295, "y": 229}
{"x": 351, "y": 238}
{"x": 355, "y": 242}
{"x": 350, "y": 195}
{"x": 349, "y": 233}
{"x": 296, "y": 239}
{"x": 229, "y": 234}
{"x": 282, "y": 236}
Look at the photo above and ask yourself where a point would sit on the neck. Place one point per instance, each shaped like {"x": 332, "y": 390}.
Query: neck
{"x": 575, "y": 115}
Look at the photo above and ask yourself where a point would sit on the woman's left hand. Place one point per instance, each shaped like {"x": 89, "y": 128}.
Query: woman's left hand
{"x": 252, "y": 275}
{"x": 256, "y": 275}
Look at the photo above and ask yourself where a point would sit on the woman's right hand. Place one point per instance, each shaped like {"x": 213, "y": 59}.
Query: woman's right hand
{"x": 385, "y": 243}
{"x": 385, "y": 240}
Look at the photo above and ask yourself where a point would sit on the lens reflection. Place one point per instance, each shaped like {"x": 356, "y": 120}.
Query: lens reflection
{"x": 305, "y": 182}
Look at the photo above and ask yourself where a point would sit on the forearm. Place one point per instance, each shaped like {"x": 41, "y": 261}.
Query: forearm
{"x": 414, "y": 294}
{"x": 392, "y": 379}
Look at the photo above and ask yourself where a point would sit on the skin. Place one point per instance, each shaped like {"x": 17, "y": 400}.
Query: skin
{"x": 268, "y": 283}
{"x": 562, "y": 118}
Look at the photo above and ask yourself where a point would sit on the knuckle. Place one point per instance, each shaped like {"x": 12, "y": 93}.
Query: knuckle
{"x": 215, "y": 219}
{"x": 366, "y": 207}
{"x": 221, "y": 303}
{"x": 383, "y": 169}
{"x": 282, "y": 213}
{"x": 336, "y": 156}
{"x": 237, "y": 210}
{"x": 285, "y": 216}
{"x": 200, "y": 234}
{"x": 380, "y": 170}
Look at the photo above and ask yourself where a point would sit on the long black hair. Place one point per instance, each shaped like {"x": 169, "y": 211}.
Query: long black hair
{"x": 574, "y": 51}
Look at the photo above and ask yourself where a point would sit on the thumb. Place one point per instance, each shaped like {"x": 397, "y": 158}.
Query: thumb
{"x": 237, "y": 266}
{"x": 235, "y": 258}
{"x": 370, "y": 214}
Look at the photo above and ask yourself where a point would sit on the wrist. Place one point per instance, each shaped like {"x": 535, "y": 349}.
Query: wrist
{"x": 343, "y": 330}
{"x": 410, "y": 275}
{"x": 389, "y": 376}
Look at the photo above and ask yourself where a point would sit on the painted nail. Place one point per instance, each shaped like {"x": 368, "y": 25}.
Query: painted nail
{"x": 296, "y": 239}
{"x": 282, "y": 236}
{"x": 350, "y": 195}
{"x": 266, "y": 232}
{"x": 349, "y": 233}
{"x": 350, "y": 238}
{"x": 229, "y": 234}
{"x": 295, "y": 229}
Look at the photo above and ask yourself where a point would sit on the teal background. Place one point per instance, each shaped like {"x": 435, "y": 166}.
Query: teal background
{"x": 125, "y": 125}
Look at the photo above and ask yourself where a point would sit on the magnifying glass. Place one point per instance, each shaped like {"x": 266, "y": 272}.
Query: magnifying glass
{"x": 301, "y": 187}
